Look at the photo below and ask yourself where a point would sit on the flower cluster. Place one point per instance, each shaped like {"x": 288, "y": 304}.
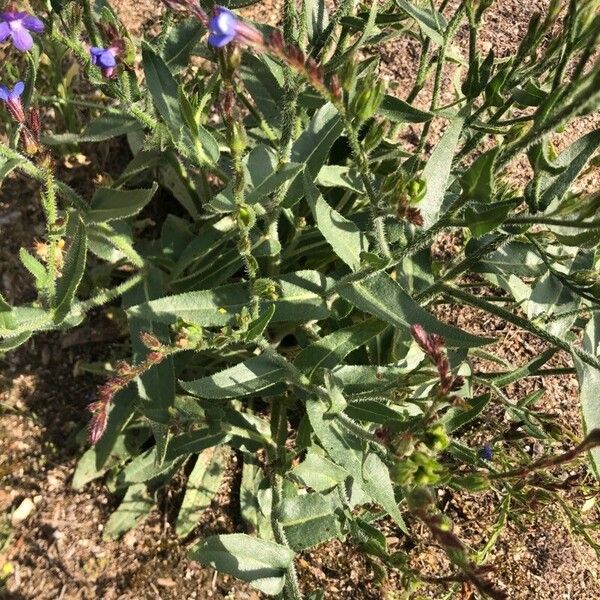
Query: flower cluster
{"x": 105, "y": 59}
{"x": 17, "y": 26}
{"x": 433, "y": 346}
{"x": 126, "y": 373}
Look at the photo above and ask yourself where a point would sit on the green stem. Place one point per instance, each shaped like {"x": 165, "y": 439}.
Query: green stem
{"x": 523, "y": 323}
{"x": 278, "y": 466}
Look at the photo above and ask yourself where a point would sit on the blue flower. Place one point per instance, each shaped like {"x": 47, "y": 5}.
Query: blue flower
{"x": 486, "y": 452}
{"x": 105, "y": 58}
{"x": 16, "y": 26}
{"x": 223, "y": 27}
{"x": 12, "y": 99}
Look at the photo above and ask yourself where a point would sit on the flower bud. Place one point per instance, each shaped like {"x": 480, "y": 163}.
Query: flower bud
{"x": 266, "y": 288}
{"x": 472, "y": 483}
{"x": 238, "y": 138}
{"x": 150, "y": 341}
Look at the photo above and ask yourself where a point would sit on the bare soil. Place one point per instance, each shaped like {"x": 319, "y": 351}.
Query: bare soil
{"x": 58, "y": 551}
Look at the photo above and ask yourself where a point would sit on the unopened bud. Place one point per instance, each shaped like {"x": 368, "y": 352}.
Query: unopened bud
{"x": 150, "y": 341}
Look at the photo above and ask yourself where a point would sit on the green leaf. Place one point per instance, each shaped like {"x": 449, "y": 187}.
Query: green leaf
{"x": 514, "y": 258}
{"x": 437, "y": 172}
{"x": 8, "y": 166}
{"x": 301, "y": 294}
{"x": 109, "y": 125}
{"x": 262, "y": 564}
{"x": 478, "y": 180}
{"x": 163, "y": 87}
{"x": 244, "y": 379}
{"x": 571, "y": 161}
{"x": 317, "y": 19}
{"x": 272, "y": 182}
{"x": 343, "y": 236}
{"x": 136, "y": 504}
{"x": 382, "y": 297}
{"x": 201, "y": 147}
{"x": 109, "y": 204}
{"x": 398, "y": 111}
{"x": 72, "y": 273}
{"x": 35, "y": 267}
{"x": 7, "y": 320}
{"x": 369, "y": 472}
{"x": 456, "y": 418}
{"x": 331, "y": 350}
{"x": 552, "y": 295}
{"x": 309, "y": 520}
{"x": 143, "y": 468}
{"x": 342, "y": 177}
{"x": 589, "y": 384}
{"x": 432, "y": 24}
{"x": 257, "y": 327}
{"x": 115, "y": 445}
{"x": 373, "y": 412}
{"x": 319, "y": 473}
{"x": 180, "y": 43}
{"x": 255, "y": 498}
{"x": 312, "y": 148}
{"x": 202, "y": 486}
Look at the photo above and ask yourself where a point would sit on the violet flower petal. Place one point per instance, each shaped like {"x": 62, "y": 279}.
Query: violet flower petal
{"x": 17, "y": 90}
{"x": 4, "y": 93}
{"x": 4, "y": 31}
{"x": 22, "y": 39}
{"x": 107, "y": 59}
{"x": 32, "y": 23}
{"x": 218, "y": 40}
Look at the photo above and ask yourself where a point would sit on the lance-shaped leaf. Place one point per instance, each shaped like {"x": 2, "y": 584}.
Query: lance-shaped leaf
{"x": 346, "y": 239}
{"x": 110, "y": 205}
{"x": 312, "y": 148}
{"x": 301, "y": 294}
{"x": 136, "y": 504}
{"x": 432, "y": 23}
{"x": 319, "y": 473}
{"x": 72, "y": 273}
{"x": 589, "y": 384}
{"x": 368, "y": 471}
{"x": 244, "y": 379}
{"x": 398, "y": 111}
{"x": 437, "y": 172}
{"x": 331, "y": 350}
{"x": 262, "y": 564}
{"x": 309, "y": 520}
{"x": 199, "y": 144}
{"x": 180, "y": 42}
{"x": 255, "y": 498}
{"x": 382, "y": 297}
{"x": 7, "y": 319}
{"x": 35, "y": 267}
{"x": 571, "y": 162}
{"x": 109, "y": 125}
{"x": 202, "y": 485}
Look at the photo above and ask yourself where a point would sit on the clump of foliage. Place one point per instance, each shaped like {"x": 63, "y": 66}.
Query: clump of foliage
{"x": 281, "y": 304}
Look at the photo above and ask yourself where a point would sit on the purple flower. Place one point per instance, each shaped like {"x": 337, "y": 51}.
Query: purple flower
{"x": 12, "y": 99}
{"x": 105, "y": 58}
{"x": 222, "y": 27}
{"x": 17, "y": 25}
{"x": 486, "y": 451}
{"x": 225, "y": 27}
